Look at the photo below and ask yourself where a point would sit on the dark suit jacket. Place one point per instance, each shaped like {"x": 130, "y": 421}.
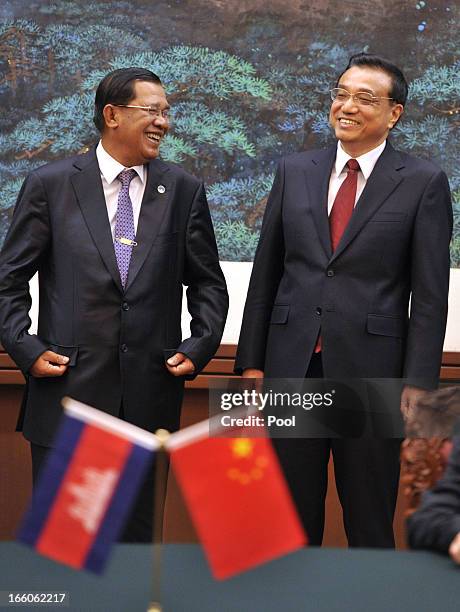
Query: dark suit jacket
{"x": 116, "y": 340}
{"x": 395, "y": 246}
{"x": 437, "y": 521}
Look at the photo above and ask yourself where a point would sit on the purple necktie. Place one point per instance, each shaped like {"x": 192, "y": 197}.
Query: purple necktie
{"x": 124, "y": 226}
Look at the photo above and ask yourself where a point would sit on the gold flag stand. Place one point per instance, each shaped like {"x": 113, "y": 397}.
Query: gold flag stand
{"x": 161, "y": 475}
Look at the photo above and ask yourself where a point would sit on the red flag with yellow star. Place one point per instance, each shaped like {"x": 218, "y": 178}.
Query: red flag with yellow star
{"x": 238, "y": 499}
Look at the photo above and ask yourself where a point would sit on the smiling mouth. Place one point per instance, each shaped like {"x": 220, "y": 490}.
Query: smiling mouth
{"x": 153, "y": 137}
{"x": 344, "y": 121}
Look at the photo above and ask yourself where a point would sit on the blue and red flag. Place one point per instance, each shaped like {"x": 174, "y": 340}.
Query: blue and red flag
{"x": 87, "y": 487}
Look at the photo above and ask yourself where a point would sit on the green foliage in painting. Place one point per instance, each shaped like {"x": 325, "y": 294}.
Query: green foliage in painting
{"x": 9, "y": 192}
{"x": 176, "y": 149}
{"x": 438, "y": 84}
{"x": 56, "y": 129}
{"x": 240, "y": 199}
{"x": 431, "y": 131}
{"x": 191, "y": 71}
{"x": 203, "y": 125}
{"x": 235, "y": 237}
{"x": 261, "y": 91}
{"x": 455, "y": 244}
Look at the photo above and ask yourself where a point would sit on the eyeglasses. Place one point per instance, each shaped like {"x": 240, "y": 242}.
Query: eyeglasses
{"x": 156, "y": 112}
{"x": 361, "y": 98}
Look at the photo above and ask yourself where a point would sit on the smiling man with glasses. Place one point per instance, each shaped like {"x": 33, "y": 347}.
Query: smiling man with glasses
{"x": 351, "y": 235}
{"x": 114, "y": 234}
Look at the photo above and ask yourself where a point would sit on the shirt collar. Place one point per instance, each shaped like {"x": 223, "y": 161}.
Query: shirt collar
{"x": 110, "y": 168}
{"x": 366, "y": 162}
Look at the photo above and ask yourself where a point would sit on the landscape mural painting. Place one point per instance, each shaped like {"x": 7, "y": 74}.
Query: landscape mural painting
{"x": 248, "y": 81}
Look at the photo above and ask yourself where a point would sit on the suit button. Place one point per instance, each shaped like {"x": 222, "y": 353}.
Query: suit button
{"x": 330, "y": 273}
{"x": 123, "y": 348}
{"x": 318, "y": 311}
{"x": 125, "y": 306}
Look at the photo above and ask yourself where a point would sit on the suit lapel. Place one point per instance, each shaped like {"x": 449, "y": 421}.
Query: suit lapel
{"x": 381, "y": 183}
{"x": 317, "y": 176}
{"x": 154, "y": 205}
{"x": 87, "y": 184}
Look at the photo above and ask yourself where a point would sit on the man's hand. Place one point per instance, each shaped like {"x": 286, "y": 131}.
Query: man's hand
{"x": 180, "y": 365}
{"x": 257, "y": 374}
{"x": 49, "y": 364}
{"x": 409, "y": 398}
{"x": 454, "y": 548}
{"x": 252, "y": 373}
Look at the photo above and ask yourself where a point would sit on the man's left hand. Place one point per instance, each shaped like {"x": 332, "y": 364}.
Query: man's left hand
{"x": 180, "y": 365}
{"x": 409, "y": 398}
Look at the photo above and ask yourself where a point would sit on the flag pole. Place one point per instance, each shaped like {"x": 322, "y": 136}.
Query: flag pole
{"x": 161, "y": 475}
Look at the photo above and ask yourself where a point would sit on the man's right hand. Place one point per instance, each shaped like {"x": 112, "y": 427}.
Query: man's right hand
{"x": 252, "y": 373}
{"x": 49, "y": 364}
{"x": 257, "y": 374}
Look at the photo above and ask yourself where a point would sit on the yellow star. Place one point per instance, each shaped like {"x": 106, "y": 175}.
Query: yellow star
{"x": 242, "y": 447}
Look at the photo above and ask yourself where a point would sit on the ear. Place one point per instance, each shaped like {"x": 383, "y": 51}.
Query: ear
{"x": 396, "y": 112}
{"x": 111, "y": 116}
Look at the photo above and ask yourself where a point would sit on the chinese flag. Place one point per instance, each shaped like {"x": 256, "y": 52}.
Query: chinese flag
{"x": 239, "y": 501}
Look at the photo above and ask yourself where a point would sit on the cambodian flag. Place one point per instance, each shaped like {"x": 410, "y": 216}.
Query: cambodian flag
{"x": 87, "y": 487}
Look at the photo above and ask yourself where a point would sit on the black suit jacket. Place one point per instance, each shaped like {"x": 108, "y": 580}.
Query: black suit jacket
{"x": 396, "y": 246}
{"x": 437, "y": 521}
{"x": 116, "y": 339}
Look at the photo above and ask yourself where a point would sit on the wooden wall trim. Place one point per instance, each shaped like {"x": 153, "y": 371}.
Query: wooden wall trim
{"x": 451, "y": 358}
{"x": 218, "y": 369}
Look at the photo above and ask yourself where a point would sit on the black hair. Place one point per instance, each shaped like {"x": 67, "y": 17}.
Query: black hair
{"x": 117, "y": 87}
{"x": 399, "y": 88}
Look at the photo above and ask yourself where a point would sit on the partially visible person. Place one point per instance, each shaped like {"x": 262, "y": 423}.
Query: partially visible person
{"x": 436, "y": 415}
{"x": 114, "y": 235}
{"x": 351, "y": 236}
{"x": 436, "y": 524}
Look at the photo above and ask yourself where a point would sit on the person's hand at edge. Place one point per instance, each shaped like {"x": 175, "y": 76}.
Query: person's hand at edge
{"x": 454, "y": 548}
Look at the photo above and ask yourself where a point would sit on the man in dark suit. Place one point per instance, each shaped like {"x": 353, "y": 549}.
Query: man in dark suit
{"x": 350, "y": 235}
{"x": 114, "y": 235}
{"x": 436, "y": 525}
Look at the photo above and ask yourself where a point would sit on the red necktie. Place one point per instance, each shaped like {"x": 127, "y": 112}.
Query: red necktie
{"x": 344, "y": 203}
{"x": 341, "y": 212}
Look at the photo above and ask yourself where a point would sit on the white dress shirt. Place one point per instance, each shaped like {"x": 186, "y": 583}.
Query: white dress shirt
{"x": 339, "y": 171}
{"x": 110, "y": 169}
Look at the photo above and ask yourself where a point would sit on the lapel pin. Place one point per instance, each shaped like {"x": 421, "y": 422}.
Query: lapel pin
{"x": 161, "y": 188}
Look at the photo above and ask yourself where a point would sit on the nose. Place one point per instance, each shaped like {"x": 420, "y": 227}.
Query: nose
{"x": 161, "y": 121}
{"x": 349, "y": 105}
